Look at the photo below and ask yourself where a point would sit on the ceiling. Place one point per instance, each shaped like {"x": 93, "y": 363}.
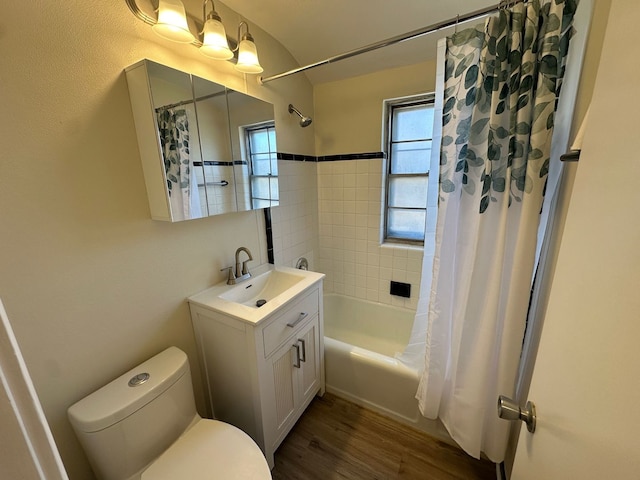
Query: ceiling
{"x": 314, "y": 30}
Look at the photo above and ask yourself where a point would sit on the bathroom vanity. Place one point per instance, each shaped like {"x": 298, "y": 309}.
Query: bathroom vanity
{"x": 262, "y": 366}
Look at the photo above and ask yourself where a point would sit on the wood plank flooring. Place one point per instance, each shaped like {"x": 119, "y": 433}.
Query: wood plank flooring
{"x": 336, "y": 439}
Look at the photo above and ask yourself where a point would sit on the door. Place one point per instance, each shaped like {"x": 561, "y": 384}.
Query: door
{"x": 285, "y": 395}
{"x": 310, "y": 365}
{"x": 27, "y": 448}
{"x": 585, "y": 383}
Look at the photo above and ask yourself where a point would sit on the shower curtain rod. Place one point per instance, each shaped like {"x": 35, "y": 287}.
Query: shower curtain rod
{"x": 187, "y": 102}
{"x": 397, "y": 39}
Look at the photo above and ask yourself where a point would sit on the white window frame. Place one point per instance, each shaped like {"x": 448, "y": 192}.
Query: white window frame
{"x": 389, "y": 107}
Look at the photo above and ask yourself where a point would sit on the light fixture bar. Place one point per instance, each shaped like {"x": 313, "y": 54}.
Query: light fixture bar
{"x": 172, "y": 23}
{"x": 133, "y": 6}
{"x": 149, "y": 20}
{"x": 397, "y": 39}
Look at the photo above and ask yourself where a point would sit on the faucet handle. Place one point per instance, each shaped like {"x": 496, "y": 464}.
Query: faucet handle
{"x": 245, "y": 269}
{"x": 231, "y": 278}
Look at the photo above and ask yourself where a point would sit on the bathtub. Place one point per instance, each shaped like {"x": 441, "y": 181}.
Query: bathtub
{"x": 361, "y": 340}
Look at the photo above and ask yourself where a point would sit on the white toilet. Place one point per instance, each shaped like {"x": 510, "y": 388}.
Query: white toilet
{"x": 144, "y": 425}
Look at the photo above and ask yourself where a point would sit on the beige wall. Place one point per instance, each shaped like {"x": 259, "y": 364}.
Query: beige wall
{"x": 591, "y": 60}
{"x": 93, "y": 285}
{"x": 348, "y": 113}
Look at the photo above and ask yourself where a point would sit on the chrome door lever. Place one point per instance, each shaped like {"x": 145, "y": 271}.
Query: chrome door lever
{"x": 510, "y": 410}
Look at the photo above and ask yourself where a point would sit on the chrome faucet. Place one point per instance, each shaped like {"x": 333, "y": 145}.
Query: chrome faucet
{"x": 241, "y": 272}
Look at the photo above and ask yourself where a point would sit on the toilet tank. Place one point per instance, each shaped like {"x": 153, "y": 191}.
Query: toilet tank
{"x": 128, "y": 423}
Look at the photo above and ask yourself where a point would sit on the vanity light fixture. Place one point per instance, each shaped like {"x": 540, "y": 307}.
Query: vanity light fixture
{"x": 247, "y": 53}
{"x": 171, "y": 23}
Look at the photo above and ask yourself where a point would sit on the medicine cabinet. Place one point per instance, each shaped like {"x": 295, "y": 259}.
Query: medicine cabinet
{"x": 205, "y": 149}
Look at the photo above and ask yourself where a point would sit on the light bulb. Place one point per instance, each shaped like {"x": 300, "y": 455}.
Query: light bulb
{"x": 248, "y": 56}
{"x": 214, "y": 44}
{"x": 172, "y": 22}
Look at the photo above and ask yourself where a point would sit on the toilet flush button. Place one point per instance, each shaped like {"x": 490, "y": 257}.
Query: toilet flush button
{"x": 139, "y": 379}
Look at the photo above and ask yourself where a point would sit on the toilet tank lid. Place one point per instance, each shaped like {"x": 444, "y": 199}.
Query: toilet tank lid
{"x": 117, "y": 400}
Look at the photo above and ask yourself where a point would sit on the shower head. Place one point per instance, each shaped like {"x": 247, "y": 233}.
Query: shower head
{"x": 304, "y": 121}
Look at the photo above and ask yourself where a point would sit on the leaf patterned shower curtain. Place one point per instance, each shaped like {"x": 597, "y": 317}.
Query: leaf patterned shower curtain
{"x": 500, "y": 95}
{"x": 173, "y": 127}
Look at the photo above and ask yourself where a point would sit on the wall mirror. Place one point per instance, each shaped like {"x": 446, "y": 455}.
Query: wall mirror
{"x": 205, "y": 149}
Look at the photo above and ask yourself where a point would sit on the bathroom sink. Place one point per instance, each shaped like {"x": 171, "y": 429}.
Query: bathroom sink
{"x": 256, "y": 298}
{"x": 262, "y": 287}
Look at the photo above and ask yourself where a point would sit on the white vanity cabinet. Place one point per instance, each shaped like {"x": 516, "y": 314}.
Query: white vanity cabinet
{"x": 261, "y": 376}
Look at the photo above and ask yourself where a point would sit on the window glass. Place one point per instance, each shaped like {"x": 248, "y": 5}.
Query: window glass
{"x": 406, "y": 224}
{"x": 408, "y": 192}
{"x": 413, "y": 122}
{"x": 411, "y": 157}
{"x": 263, "y": 158}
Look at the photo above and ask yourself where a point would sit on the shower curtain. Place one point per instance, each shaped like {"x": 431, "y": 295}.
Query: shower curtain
{"x": 173, "y": 127}
{"x": 500, "y": 93}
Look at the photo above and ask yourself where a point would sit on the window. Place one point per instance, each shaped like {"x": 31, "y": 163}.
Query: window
{"x": 263, "y": 160}
{"x": 409, "y": 129}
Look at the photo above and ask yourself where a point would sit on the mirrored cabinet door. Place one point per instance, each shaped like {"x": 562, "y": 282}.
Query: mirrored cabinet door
{"x": 176, "y": 117}
{"x": 217, "y": 185}
{"x": 253, "y": 139}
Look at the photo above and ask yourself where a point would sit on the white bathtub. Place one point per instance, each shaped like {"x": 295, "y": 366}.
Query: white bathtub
{"x": 361, "y": 340}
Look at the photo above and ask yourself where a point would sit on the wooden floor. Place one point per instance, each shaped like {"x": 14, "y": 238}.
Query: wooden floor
{"x": 336, "y": 439}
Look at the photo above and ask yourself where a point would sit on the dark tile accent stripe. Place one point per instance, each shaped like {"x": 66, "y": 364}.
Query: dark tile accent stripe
{"x": 331, "y": 158}
{"x": 269, "y": 234}
{"x": 352, "y": 156}
{"x": 304, "y": 158}
{"x": 296, "y": 157}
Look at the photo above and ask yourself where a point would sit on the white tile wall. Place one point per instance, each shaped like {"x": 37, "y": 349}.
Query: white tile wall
{"x": 351, "y": 254}
{"x": 219, "y": 199}
{"x": 295, "y": 220}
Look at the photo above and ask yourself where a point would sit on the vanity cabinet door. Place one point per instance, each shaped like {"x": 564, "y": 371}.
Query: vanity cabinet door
{"x": 283, "y": 376}
{"x": 294, "y": 377}
{"x": 309, "y": 368}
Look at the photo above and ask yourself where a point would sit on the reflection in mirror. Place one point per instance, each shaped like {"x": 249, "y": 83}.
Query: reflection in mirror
{"x": 176, "y": 117}
{"x": 217, "y": 186}
{"x": 205, "y": 149}
{"x": 253, "y": 141}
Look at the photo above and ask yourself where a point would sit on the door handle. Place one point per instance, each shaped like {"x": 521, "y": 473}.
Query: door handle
{"x": 510, "y": 410}
{"x": 304, "y": 350}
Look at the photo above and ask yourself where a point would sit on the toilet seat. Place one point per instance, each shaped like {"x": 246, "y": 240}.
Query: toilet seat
{"x": 211, "y": 450}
